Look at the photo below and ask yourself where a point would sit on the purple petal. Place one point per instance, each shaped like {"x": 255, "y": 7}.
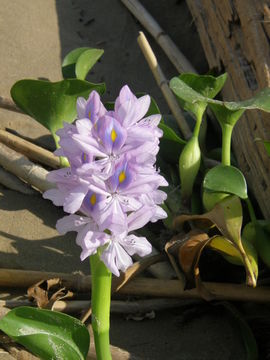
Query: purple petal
{"x": 136, "y": 245}
{"x": 111, "y": 216}
{"x": 94, "y": 108}
{"x": 56, "y": 196}
{"x": 124, "y": 95}
{"x": 122, "y": 176}
{"x": 131, "y": 112}
{"x": 116, "y": 258}
{"x": 139, "y": 218}
{"x": 72, "y": 223}
{"x": 111, "y": 134}
{"x": 81, "y": 104}
{"x": 74, "y": 200}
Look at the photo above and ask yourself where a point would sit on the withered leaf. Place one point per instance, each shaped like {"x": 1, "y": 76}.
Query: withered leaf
{"x": 227, "y": 217}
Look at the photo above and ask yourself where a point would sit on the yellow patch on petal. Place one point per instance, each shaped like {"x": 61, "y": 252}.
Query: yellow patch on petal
{"x": 113, "y": 135}
{"x": 93, "y": 199}
{"x": 84, "y": 157}
{"x": 89, "y": 115}
{"x": 122, "y": 177}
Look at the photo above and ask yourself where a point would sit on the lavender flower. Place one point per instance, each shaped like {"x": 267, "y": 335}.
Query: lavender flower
{"x": 112, "y": 179}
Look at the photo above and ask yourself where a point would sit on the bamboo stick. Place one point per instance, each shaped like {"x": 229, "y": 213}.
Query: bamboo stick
{"x": 30, "y": 150}
{"x": 177, "y": 58}
{"x": 12, "y": 182}
{"x": 139, "y": 286}
{"x": 23, "y": 168}
{"x": 8, "y": 104}
{"x": 163, "y": 84}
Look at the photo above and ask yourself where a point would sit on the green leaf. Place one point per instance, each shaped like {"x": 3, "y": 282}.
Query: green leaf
{"x": 226, "y": 179}
{"x": 193, "y": 91}
{"x": 171, "y": 144}
{"x": 169, "y": 134}
{"x": 48, "y": 334}
{"x": 79, "y": 62}
{"x": 52, "y": 103}
{"x": 225, "y": 115}
{"x": 206, "y": 85}
{"x": 194, "y": 97}
{"x": 260, "y": 101}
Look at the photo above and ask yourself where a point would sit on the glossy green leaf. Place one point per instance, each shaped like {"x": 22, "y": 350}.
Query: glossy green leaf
{"x": 195, "y": 100}
{"x": 171, "y": 143}
{"x": 225, "y": 115}
{"x": 52, "y": 103}
{"x": 47, "y": 334}
{"x": 169, "y": 134}
{"x": 79, "y": 62}
{"x": 206, "y": 85}
{"x": 226, "y": 179}
{"x": 193, "y": 91}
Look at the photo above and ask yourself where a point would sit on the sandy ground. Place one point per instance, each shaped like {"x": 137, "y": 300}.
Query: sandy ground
{"x": 35, "y": 35}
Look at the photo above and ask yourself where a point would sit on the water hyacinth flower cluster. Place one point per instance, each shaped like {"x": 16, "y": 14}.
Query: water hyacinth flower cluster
{"x": 112, "y": 179}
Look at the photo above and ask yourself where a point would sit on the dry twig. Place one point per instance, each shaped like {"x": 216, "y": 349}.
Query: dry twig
{"x": 23, "y": 168}
{"x": 139, "y": 286}
{"x": 177, "y": 58}
{"x": 30, "y": 150}
{"x": 14, "y": 183}
{"x": 162, "y": 83}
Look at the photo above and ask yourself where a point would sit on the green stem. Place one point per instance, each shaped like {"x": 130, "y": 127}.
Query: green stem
{"x": 197, "y": 127}
{"x": 226, "y": 144}
{"x": 251, "y": 211}
{"x": 101, "y": 300}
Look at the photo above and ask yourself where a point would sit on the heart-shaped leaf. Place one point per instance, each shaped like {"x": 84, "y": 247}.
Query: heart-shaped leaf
{"x": 193, "y": 99}
{"x": 226, "y": 179}
{"x": 206, "y": 85}
{"x": 193, "y": 91}
{"x": 48, "y": 334}
{"x": 52, "y": 103}
{"x": 79, "y": 62}
{"x": 224, "y": 115}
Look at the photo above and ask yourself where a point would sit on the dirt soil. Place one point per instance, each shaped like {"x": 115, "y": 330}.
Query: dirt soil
{"x": 35, "y": 36}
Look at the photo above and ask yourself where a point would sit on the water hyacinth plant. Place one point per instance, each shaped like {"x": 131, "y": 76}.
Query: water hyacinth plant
{"x": 109, "y": 186}
{"x": 113, "y": 182}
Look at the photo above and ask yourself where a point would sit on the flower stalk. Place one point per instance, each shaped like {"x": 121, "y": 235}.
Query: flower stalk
{"x": 226, "y": 144}
{"x": 101, "y": 300}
